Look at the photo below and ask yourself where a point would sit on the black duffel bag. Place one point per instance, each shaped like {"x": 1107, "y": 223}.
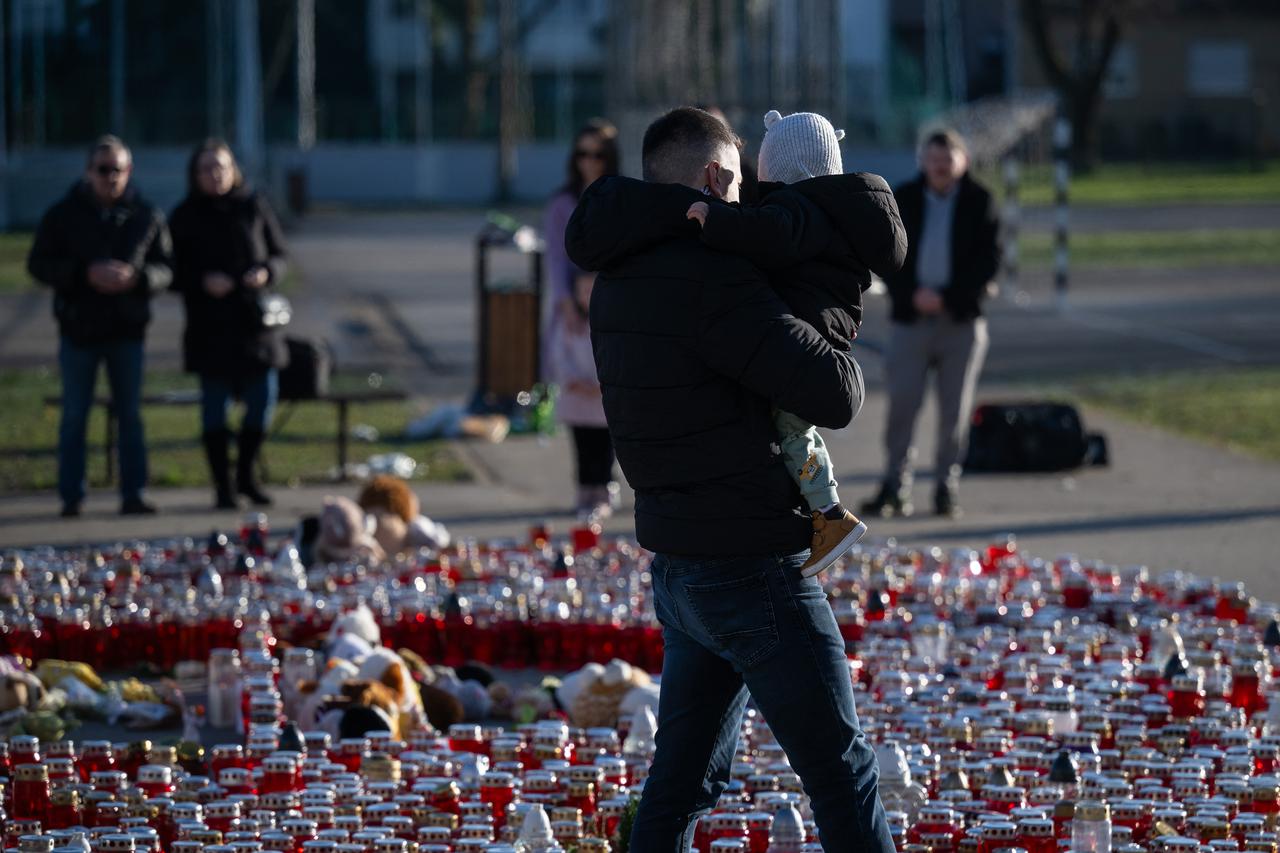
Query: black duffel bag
{"x": 306, "y": 376}
{"x": 1031, "y": 437}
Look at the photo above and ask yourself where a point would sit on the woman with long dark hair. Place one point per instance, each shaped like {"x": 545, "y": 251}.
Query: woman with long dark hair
{"x": 594, "y": 155}
{"x": 228, "y": 251}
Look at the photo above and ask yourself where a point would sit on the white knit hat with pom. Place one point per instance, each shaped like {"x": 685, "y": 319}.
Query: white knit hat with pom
{"x": 799, "y": 146}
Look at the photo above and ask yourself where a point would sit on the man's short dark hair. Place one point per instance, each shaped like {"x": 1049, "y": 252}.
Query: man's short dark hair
{"x": 678, "y": 144}
{"x": 108, "y": 142}
{"x": 945, "y": 137}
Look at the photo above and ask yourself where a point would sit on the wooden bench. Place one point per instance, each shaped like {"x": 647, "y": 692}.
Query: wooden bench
{"x": 342, "y": 400}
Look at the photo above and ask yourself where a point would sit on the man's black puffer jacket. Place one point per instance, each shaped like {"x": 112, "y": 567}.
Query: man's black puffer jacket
{"x": 694, "y": 351}
{"x": 820, "y": 265}
{"x": 77, "y": 232}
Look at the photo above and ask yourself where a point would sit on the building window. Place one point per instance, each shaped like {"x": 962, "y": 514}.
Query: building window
{"x": 1122, "y": 73}
{"x": 1218, "y": 69}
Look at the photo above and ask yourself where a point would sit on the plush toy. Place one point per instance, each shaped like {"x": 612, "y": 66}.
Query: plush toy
{"x": 357, "y": 624}
{"x": 388, "y": 494}
{"x": 399, "y": 525}
{"x": 391, "y": 532}
{"x": 575, "y": 683}
{"x": 606, "y": 693}
{"x": 388, "y": 669}
{"x": 442, "y": 708}
{"x": 343, "y": 535}
{"x": 534, "y": 703}
{"x": 314, "y": 694}
{"x": 19, "y": 687}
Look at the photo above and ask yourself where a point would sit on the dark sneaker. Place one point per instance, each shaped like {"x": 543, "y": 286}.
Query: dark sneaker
{"x": 889, "y": 502}
{"x": 137, "y": 506}
{"x": 945, "y": 504}
{"x": 833, "y": 534}
{"x": 70, "y": 509}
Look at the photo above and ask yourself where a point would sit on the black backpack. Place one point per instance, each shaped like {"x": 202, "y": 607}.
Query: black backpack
{"x": 306, "y": 376}
{"x": 1031, "y": 437}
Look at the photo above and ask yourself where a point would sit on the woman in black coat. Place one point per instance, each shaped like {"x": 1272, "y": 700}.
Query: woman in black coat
{"x": 228, "y": 252}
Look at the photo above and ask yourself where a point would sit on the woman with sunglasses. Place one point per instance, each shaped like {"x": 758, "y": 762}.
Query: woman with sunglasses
{"x": 228, "y": 249}
{"x": 594, "y": 155}
{"x": 566, "y": 343}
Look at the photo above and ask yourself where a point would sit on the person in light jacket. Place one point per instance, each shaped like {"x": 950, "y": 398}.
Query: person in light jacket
{"x": 594, "y": 155}
{"x": 572, "y": 366}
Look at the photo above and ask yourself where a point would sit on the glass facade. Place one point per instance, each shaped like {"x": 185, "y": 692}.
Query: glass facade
{"x": 386, "y": 71}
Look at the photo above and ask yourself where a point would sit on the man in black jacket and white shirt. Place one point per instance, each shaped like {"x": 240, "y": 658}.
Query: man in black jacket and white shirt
{"x": 694, "y": 352}
{"x": 953, "y": 253}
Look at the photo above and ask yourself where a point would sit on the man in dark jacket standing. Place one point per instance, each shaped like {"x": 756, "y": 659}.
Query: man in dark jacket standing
{"x": 694, "y": 352}
{"x": 104, "y": 251}
{"x": 953, "y": 253}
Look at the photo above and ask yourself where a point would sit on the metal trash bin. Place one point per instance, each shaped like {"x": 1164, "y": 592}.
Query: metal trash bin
{"x": 508, "y": 311}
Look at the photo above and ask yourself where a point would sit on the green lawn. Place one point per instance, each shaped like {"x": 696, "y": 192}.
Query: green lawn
{"x": 1206, "y": 247}
{"x": 1164, "y": 183}
{"x": 1237, "y": 408}
{"x": 13, "y": 262}
{"x": 303, "y": 451}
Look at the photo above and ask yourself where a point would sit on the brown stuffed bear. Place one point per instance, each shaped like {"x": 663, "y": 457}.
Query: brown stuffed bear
{"x": 399, "y": 525}
{"x": 392, "y": 495}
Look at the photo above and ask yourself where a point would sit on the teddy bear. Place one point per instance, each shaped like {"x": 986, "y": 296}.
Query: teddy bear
{"x": 600, "y": 695}
{"x": 398, "y": 523}
{"x": 20, "y": 689}
{"x": 353, "y": 635}
{"x": 388, "y": 669}
{"x": 355, "y": 708}
{"x": 343, "y": 535}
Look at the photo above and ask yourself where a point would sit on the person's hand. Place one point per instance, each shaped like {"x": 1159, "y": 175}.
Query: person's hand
{"x": 699, "y": 210}
{"x": 101, "y": 276}
{"x": 573, "y": 320}
{"x": 111, "y": 277}
{"x": 218, "y": 284}
{"x": 125, "y": 274}
{"x": 927, "y": 301}
{"x": 256, "y": 277}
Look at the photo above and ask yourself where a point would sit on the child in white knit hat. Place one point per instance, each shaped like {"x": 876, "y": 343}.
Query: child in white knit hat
{"x": 819, "y": 234}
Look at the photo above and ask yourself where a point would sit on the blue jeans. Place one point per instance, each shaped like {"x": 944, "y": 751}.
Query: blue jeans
{"x": 79, "y": 365}
{"x": 743, "y": 625}
{"x": 257, "y": 390}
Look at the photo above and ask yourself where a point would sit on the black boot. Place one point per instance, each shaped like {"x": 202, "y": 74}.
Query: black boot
{"x": 945, "y": 501}
{"x": 246, "y": 483}
{"x": 891, "y": 500}
{"x": 215, "y": 450}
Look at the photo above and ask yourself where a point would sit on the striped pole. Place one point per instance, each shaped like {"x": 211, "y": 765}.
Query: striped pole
{"x": 1012, "y": 220}
{"x": 1062, "y": 225}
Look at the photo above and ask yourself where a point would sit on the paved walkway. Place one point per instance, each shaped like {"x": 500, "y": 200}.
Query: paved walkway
{"x": 1166, "y": 502}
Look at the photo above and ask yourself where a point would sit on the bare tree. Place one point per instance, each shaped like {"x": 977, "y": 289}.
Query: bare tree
{"x": 1096, "y": 27}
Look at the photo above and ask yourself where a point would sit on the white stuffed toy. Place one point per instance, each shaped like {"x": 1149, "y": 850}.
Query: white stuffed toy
{"x": 385, "y": 666}
{"x": 353, "y": 635}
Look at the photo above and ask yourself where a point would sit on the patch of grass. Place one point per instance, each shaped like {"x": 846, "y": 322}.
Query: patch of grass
{"x": 13, "y": 262}
{"x": 303, "y": 450}
{"x": 1157, "y": 183}
{"x": 1207, "y": 247}
{"x": 1236, "y": 408}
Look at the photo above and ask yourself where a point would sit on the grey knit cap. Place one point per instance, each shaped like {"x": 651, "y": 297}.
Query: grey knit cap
{"x": 799, "y": 146}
